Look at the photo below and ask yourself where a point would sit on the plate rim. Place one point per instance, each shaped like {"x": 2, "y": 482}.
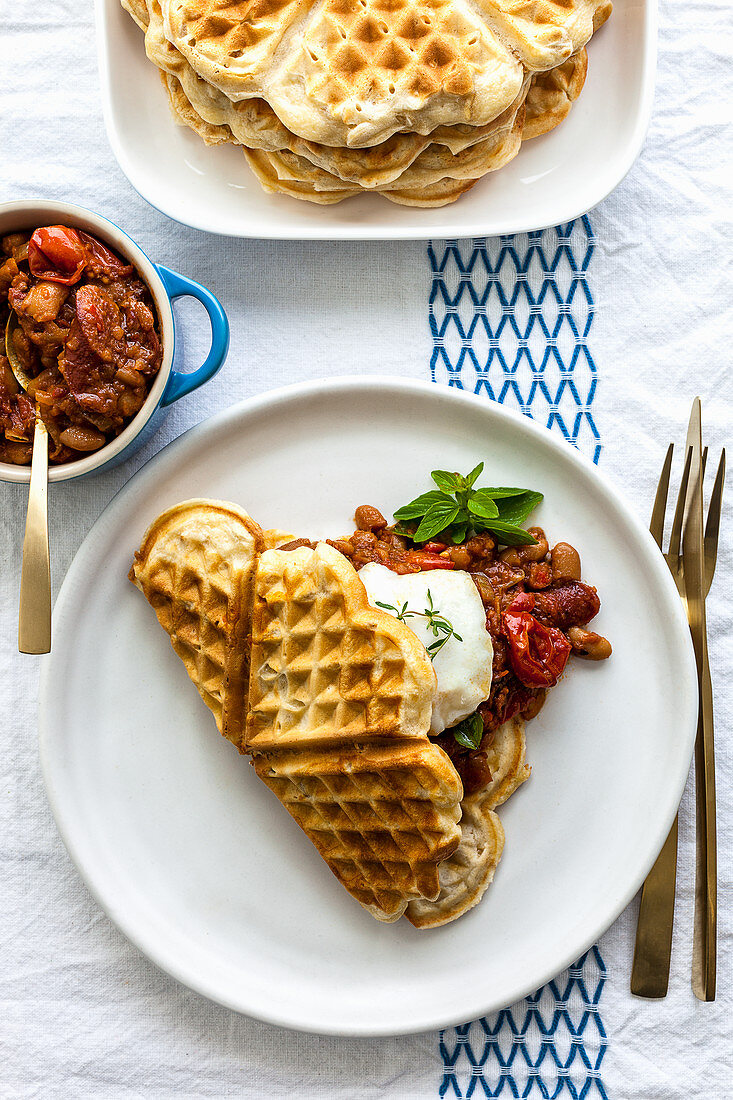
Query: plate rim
{"x": 560, "y": 215}
{"x": 294, "y": 1019}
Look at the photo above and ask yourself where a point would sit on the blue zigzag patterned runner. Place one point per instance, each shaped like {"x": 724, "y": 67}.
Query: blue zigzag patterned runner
{"x": 510, "y": 318}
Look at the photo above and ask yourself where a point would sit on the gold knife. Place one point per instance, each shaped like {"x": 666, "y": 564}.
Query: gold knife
{"x": 704, "y": 948}
{"x": 655, "y": 923}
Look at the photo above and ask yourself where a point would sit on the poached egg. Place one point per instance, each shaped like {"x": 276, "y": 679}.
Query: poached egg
{"x": 463, "y": 669}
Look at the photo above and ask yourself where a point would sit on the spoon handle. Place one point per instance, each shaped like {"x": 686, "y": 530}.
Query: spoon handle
{"x": 34, "y": 624}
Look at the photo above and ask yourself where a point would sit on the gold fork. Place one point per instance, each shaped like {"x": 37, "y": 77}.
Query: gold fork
{"x": 652, "y": 952}
{"x": 704, "y": 941}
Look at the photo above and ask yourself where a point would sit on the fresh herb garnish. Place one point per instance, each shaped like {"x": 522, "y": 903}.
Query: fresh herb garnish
{"x": 441, "y": 628}
{"x": 469, "y": 732}
{"x": 458, "y": 511}
{"x": 400, "y": 613}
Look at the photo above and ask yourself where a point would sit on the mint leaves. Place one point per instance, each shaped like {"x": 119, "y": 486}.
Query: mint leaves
{"x": 469, "y": 732}
{"x": 457, "y": 511}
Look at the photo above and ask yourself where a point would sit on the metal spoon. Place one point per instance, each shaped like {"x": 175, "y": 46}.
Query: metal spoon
{"x": 34, "y": 620}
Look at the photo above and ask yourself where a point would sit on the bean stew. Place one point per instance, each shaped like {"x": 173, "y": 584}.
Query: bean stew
{"x": 537, "y": 611}
{"x": 81, "y": 325}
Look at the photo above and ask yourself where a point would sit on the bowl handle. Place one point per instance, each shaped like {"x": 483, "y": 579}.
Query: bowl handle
{"x": 180, "y": 383}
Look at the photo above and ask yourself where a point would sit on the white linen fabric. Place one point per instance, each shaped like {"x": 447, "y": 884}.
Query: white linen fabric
{"x": 83, "y": 1014}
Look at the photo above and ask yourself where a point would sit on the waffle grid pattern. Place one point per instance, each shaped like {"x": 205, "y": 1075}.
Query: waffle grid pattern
{"x": 317, "y": 658}
{"x": 323, "y": 674}
{"x": 510, "y": 319}
{"x": 378, "y": 57}
{"x": 365, "y": 821}
{"x": 191, "y": 602}
{"x": 339, "y": 712}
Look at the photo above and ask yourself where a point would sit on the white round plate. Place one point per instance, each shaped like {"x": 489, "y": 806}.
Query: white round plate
{"x": 197, "y": 862}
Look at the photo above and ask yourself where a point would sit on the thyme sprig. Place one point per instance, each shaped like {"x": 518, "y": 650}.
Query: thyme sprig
{"x": 441, "y": 628}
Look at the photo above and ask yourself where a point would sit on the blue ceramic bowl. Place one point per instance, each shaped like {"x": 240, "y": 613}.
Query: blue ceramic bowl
{"x": 165, "y": 285}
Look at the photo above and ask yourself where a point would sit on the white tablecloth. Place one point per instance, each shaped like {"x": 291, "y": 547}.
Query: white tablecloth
{"x": 83, "y": 1015}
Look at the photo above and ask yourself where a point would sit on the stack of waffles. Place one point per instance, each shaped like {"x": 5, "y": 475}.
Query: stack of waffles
{"x": 332, "y": 699}
{"x": 413, "y": 99}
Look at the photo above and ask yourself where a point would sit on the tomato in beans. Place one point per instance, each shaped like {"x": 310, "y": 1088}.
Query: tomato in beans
{"x": 83, "y": 327}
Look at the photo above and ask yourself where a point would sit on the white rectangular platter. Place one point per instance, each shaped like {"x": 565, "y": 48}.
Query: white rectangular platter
{"x": 554, "y": 178}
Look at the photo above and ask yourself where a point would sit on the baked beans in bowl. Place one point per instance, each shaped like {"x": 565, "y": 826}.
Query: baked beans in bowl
{"x": 89, "y": 322}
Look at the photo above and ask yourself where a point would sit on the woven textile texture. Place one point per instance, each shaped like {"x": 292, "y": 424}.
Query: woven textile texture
{"x": 84, "y": 1015}
{"x": 510, "y": 319}
{"x": 551, "y": 1044}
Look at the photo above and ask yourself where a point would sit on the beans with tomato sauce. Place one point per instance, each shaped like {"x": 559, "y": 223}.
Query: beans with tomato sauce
{"x": 537, "y": 608}
{"x": 84, "y": 328}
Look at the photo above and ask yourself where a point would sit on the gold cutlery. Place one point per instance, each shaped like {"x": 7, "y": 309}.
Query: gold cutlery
{"x": 704, "y": 946}
{"x": 650, "y": 971}
{"x": 34, "y": 616}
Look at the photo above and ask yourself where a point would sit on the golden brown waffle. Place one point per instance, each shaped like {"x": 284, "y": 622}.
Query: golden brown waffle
{"x": 231, "y": 44}
{"x": 253, "y": 123}
{"x": 262, "y": 168}
{"x": 435, "y": 194}
{"x": 550, "y": 98}
{"x": 365, "y": 69}
{"x": 435, "y": 163}
{"x": 185, "y": 114}
{"x": 466, "y": 875}
{"x": 506, "y": 759}
{"x": 552, "y": 94}
{"x": 439, "y": 193}
{"x": 327, "y": 668}
{"x": 311, "y": 86}
{"x": 138, "y": 9}
{"x": 196, "y": 568}
{"x": 423, "y": 184}
{"x": 350, "y": 72}
{"x": 456, "y": 156}
{"x": 274, "y": 538}
{"x": 338, "y": 700}
{"x": 382, "y": 817}
{"x": 369, "y": 168}
{"x": 340, "y": 705}
{"x": 285, "y": 168}
{"x": 353, "y": 72}
{"x": 544, "y": 33}
{"x": 380, "y": 165}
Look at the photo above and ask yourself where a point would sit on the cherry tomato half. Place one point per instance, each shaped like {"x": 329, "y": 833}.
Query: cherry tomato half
{"x": 57, "y": 255}
{"x": 102, "y": 260}
{"x": 538, "y": 653}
